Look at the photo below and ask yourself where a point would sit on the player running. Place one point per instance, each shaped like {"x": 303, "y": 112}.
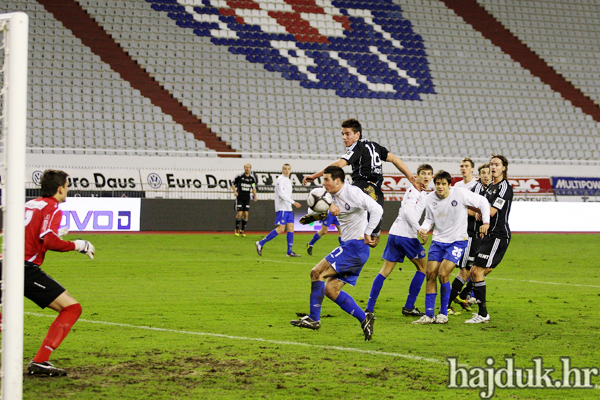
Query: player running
{"x": 366, "y": 158}
{"x": 42, "y": 219}
{"x": 446, "y": 208}
{"x": 403, "y": 242}
{"x": 344, "y": 263}
{"x": 499, "y": 195}
{"x": 243, "y": 184}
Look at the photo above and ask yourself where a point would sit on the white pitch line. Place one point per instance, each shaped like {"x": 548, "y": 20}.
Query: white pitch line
{"x": 222, "y": 336}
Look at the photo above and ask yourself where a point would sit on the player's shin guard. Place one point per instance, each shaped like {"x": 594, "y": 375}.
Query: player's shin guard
{"x": 244, "y": 222}
{"x": 314, "y": 239}
{"x": 317, "y": 292}
{"x": 272, "y": 235}
{"x": 237, "y": 224}
{"x": 375, "y": 289}
{"x": 430, "y": 304}
{"x": 290, "y": 241}
{"x": 414, "y": 289}
{"x": 457, "y": 285}
{"x": 444, "y": 297}
{"x": 347, "y": 303}
{"x": 58, "y": 331}
{"x": 467, "y": 289}
{"x": 479, "y": 289}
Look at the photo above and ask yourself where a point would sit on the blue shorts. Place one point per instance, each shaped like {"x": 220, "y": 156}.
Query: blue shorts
{"x": 284, "y": 217}
{"x": 439, "y": 251}
{"x": 331, "y": 220}
{"x": 348, "y": 260}
{"x": 398, "y": 247}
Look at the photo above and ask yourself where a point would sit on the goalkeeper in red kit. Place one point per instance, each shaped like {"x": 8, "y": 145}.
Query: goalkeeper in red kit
{"x": 42, "y": 220}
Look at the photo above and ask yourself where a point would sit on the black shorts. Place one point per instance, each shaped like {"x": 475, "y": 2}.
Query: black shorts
{"x": 242, "y": 203}
{"x": 372, "y": 190}
{"x": 39, "y": 286}
{"x": 470, "y": 253}
{"x": 491, "y": 252}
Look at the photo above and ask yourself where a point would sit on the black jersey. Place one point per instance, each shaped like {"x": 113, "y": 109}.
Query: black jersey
{"x": 244, "y": 184}
{"x": 366, "y": 159}
{"x": 500, "y": 197}
{"x": 472, "y": 223}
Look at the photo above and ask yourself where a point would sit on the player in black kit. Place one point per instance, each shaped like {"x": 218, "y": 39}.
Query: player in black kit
{"x": 366, "y": 159}
{"x": 243, "y": 184}
{"x": 493, "y": 246}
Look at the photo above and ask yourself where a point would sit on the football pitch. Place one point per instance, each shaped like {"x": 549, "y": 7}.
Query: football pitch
{"x": 202, "y": 316}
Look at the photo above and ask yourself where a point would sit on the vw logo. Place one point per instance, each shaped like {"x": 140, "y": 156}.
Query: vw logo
{"x": 37, "y": 177}
{"x": 154, "y": 181}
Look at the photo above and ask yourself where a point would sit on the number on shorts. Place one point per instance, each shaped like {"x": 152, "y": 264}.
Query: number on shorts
{"x": 335, "y": 255}
{"x": 457, "y": 252}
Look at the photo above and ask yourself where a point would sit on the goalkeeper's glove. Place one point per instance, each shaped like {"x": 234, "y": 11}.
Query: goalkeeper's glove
{"x": 308, "y": 218}
{"x": 85, "y": 247}
{"x": 62, "y": 232}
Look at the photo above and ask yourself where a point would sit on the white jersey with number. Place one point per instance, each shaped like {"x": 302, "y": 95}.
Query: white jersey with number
{"x": 450, "y": 214}
{"x": 467, "y": 186}
{"x": 354, "y": 205}
{"x": 409, "y": 214}
{"x": 283, "y": 194}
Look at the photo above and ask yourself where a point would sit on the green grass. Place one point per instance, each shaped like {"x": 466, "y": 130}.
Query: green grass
{"x": 203, "y": 316}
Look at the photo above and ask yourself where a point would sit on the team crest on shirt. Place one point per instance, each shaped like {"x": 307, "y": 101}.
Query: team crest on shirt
{"x": 359, "y": 49}
{"x": 454, "y": 203}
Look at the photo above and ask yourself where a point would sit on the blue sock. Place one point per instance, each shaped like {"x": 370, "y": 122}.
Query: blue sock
{"x": 414, "y": 289}
{"x": 290, "y": 240}
{"x": 340, "y": 239}
{"x": 430, "y": 304}
{"x": 445, "y": 290}
{"x": 317, "y": 291}
{"x": 347, "y": 303}
{"x": 314, "y": 239}
{"x": 272, "y": 235}
{"x": 375, "y": 289}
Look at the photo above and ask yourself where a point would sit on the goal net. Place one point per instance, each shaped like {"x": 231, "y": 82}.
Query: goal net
{"x": 13, "y": 124}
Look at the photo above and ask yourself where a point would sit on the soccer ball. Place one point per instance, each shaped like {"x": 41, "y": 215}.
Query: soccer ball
{"x": 319, "y": 200}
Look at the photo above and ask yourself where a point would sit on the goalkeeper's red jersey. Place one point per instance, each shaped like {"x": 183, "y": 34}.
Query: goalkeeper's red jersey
{"x": 42, "y": 219}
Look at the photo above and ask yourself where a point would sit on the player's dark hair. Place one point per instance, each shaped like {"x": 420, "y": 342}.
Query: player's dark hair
{"x": 483, "y": 166}
{"x": 468, "y": 159}
{"x": 504, "y": 163}
{"x": 424, "y": 167}
{"x": 335, "y": 172}
{"x": 442, "y": 175}
{"x": 51, "y": 180}
{"x": 353, "y": 124}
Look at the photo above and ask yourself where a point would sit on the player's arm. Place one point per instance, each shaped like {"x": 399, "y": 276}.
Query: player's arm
{"x": 52, "y": 238}
{"x": 426, "y": 226}
{"x": 310, "y": 178}
{"x": 375, "y": 213}
{"x": 254, "y": 192}
{"x": 480, "y": 202}
{"x": 283, "y": 194}
{"x": 404, "y": 169}
{"x": 234, "y": 186}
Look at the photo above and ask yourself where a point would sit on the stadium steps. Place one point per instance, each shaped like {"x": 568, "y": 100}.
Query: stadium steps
{"x": 475, "y": 15}
{"x": 75, "y": 18}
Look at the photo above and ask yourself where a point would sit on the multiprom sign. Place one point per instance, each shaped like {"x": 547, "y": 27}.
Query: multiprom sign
{"x": 101, "y": 214}
{"x": 569, "y": 186}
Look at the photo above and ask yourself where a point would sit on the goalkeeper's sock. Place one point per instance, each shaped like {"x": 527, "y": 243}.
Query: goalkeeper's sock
{"x": 457, "y": 285}
{"x": 237, "y": 224}
{"x": 414, "y": 289}
{"x": 444, "y": 297}
{"x": 58, "y": 331}
{"x": 317, "y": 291}
{"x": 314, "y": 239}
{"x": 272, "y": 235}
{"x": 430, "y": 304}
{"x": 347, "y": 303}
{"x": 467, "y": 289}
{"x": 290, "y": 241}
{"x": 479, "y": 288}
{"x": 244, "y": 222}
{"x": 375, "y": 289}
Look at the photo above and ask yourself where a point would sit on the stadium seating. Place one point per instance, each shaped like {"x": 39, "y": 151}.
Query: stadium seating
{"x": 275, "y": 77}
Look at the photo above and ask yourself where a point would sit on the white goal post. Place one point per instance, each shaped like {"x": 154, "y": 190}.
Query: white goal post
{"x": 13, "y": 122}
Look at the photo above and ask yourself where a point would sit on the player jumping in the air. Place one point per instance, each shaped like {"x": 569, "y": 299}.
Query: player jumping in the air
{"x": 366, "y": 158}
{"x": 42, "y": 219}
{"x": 403, "y": 242}
{"x": 446, "y": 208}
{"x": 344, "y": 263}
